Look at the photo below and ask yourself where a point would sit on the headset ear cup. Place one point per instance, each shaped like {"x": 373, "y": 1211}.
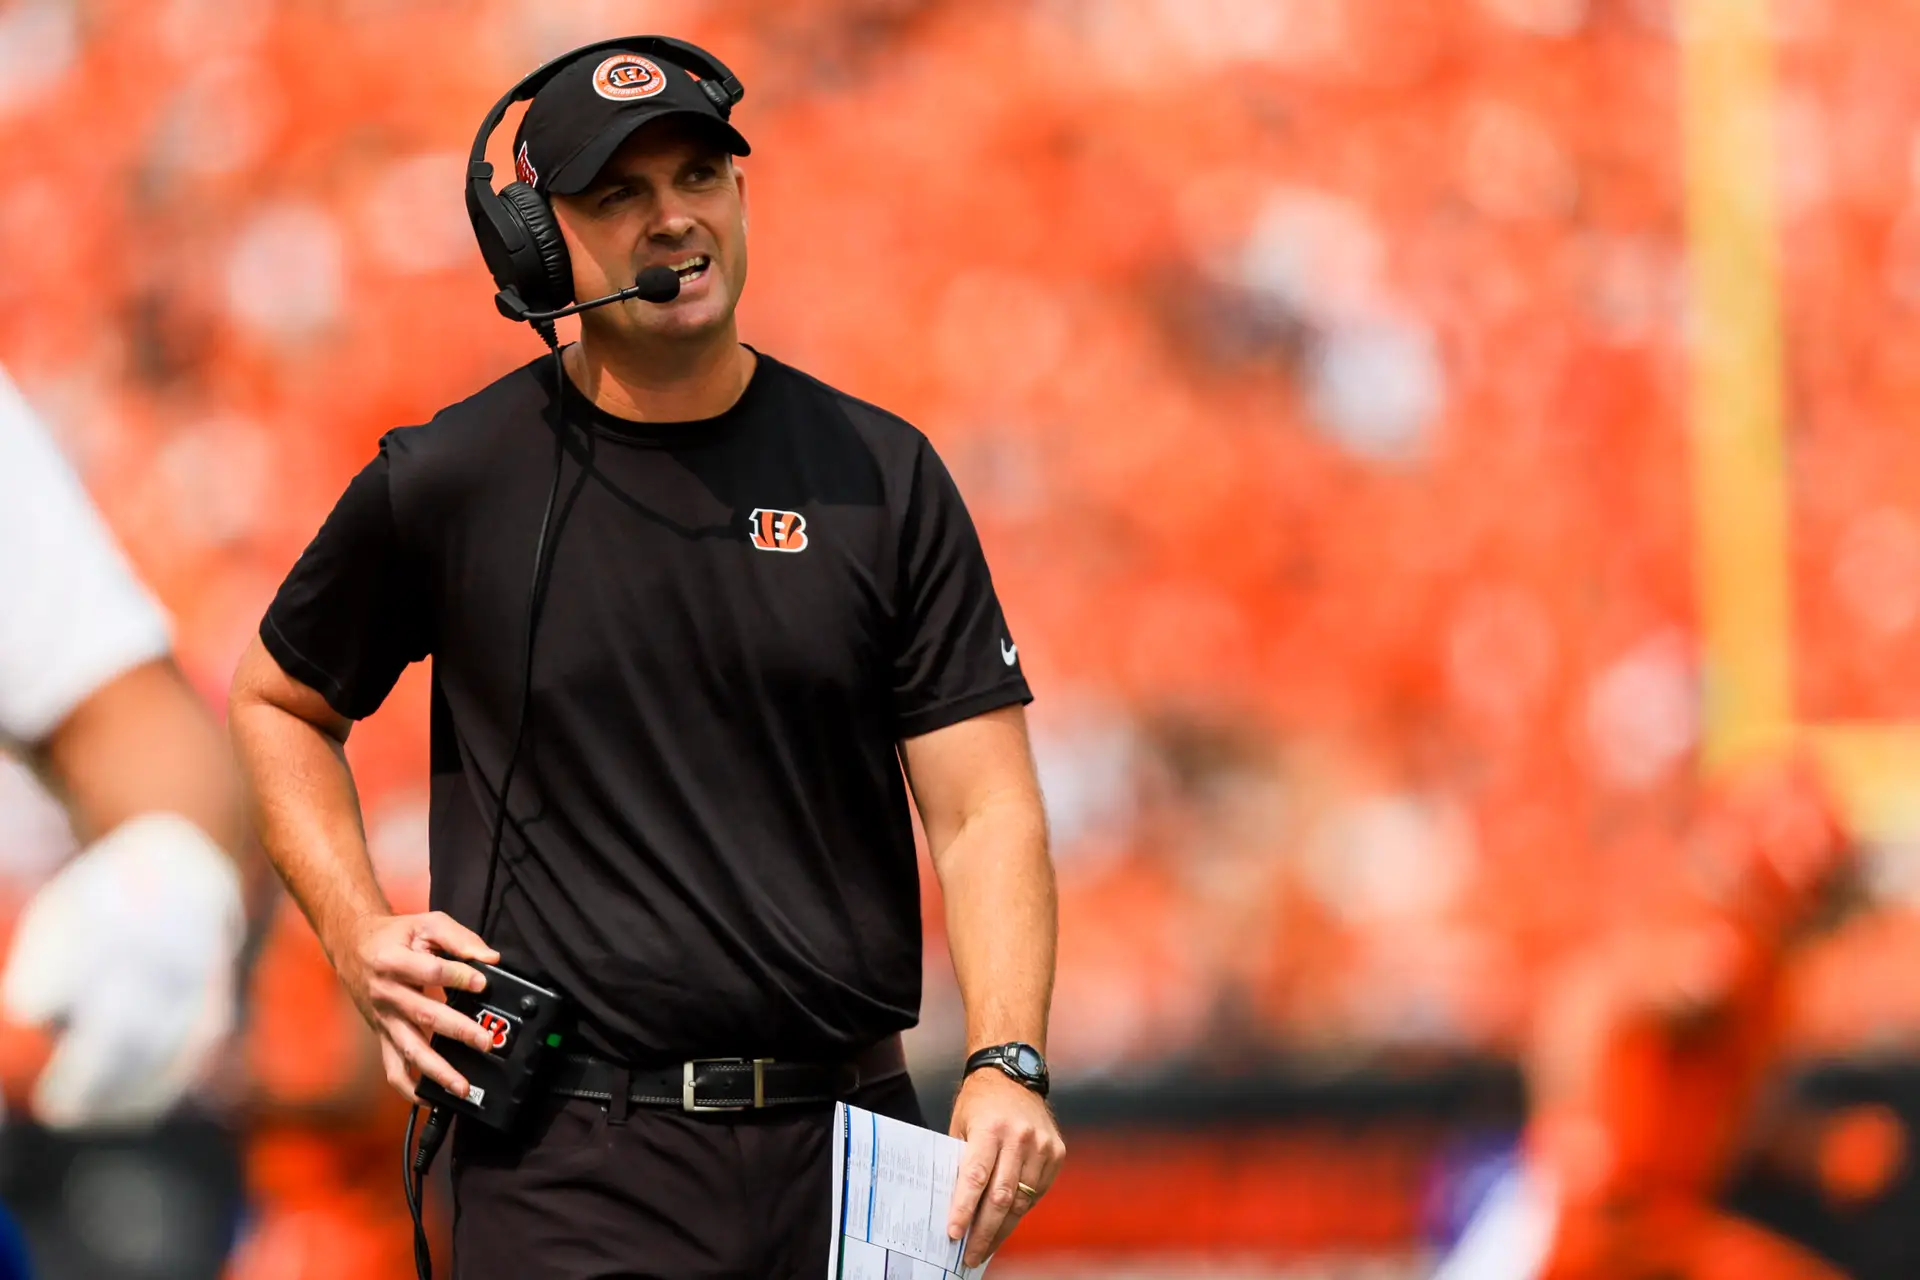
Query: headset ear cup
{"x": 555, "y": 287}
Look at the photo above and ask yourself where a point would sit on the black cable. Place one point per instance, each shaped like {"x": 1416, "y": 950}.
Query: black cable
{"x": 542, "y": 566}
{"x": 418, "y": 1160}
{"x": 422, "y": 1264}
{"x": 413, "y": 1174}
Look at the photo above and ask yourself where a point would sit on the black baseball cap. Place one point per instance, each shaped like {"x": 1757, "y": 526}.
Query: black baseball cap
{"x": 581, "y": 116}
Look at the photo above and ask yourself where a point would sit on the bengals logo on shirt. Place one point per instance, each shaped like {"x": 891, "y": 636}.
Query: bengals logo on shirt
{"x": 778, "y": 530}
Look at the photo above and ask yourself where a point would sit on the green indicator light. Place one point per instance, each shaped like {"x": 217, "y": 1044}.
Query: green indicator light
{"x": 553, "y": 1040}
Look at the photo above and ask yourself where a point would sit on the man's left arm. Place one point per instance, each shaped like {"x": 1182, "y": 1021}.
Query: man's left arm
{"x": 979, "y": 800}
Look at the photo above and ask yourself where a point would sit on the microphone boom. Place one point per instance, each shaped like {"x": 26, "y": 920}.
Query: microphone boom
{"x": 656, "y": 285}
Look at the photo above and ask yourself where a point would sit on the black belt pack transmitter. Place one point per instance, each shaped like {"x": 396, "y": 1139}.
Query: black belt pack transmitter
{"x": 528, "y": 1024}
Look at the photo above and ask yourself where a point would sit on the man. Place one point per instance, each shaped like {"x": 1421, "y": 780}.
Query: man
{"x": 1656, "y": 1058}
{"x": 760, "y": 599}
{"x": 122, "y": 964}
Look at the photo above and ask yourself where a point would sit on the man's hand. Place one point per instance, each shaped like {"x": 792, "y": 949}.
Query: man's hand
{"x": 1011, "y": 1138}
{"x": 397, "y": 970}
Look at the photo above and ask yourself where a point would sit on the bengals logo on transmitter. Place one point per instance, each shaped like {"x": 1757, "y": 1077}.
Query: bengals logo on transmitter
{"x": 626, "y": 76}
{"x": 778, "y": 530}
{"x": 496, "y": 1024}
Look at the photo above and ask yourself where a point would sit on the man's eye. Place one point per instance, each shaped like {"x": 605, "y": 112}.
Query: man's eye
{"x": 702, "y": 174}
{"x": 615, "y": 195}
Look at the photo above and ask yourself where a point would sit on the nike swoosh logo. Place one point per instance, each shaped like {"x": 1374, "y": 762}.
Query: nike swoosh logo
{"x": 1008, "y": 652}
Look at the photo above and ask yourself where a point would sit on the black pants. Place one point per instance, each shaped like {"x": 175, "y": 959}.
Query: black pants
{"x": 662, "y": 1196}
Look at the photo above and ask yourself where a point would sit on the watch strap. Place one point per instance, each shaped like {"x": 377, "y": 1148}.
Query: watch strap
{"x": 1003, "y": 1056}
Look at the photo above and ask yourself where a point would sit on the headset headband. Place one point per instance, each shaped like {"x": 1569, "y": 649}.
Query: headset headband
{"x": 720, "y": 85}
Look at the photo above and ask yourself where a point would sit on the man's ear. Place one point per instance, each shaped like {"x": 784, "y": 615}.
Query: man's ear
{"x": 740, "y": 184}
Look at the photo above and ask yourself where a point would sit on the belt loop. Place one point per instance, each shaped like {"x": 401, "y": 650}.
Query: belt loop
{"x": 621, "y": 1095}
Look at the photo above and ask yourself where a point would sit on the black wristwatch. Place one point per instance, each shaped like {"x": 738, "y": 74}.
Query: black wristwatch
{"x": 1026, "y": 1064}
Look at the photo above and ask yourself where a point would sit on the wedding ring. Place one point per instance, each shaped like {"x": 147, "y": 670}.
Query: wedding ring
{"x": 1028, "y": 1191}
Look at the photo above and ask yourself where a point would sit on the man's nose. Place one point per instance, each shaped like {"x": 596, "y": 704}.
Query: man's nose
{"x": 671, "y": 221}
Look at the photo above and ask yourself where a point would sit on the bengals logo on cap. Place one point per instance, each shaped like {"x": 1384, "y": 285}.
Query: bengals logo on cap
{"x": 523, "y": 167}
{"x": 626, "y": 76}
{"x": 778, "y": 530}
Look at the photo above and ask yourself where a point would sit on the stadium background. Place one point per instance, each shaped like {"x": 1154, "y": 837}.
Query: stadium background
{"x": 1412, "y": 442}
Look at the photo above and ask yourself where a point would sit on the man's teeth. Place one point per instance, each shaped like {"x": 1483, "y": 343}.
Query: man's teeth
{"x": 691, "y": 267}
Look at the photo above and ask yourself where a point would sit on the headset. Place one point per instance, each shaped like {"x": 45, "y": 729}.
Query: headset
{"x": 515, "y": 226}
{"x": 527, "y": 255}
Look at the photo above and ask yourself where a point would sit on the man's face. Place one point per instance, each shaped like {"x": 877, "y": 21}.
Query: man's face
{"x": 670, "y": 196}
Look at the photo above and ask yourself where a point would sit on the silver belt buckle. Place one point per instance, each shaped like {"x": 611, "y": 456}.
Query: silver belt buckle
{"x": 687, "y": 1102}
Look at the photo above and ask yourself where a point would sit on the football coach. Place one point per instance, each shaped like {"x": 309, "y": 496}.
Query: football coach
{"x": 692, "y": 615}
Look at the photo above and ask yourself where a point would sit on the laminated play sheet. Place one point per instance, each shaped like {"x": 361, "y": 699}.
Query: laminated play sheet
{"x": 893, "y": 1182}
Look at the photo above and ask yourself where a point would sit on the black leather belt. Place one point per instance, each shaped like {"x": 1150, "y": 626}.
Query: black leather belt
{"x": 728, "y": 1084}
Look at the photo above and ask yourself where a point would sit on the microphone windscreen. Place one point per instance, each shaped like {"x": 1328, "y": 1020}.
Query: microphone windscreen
{"x": 658, "y": 284}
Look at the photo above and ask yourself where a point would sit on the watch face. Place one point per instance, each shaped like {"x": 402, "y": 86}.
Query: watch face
{"x": 1028, "y": 1062}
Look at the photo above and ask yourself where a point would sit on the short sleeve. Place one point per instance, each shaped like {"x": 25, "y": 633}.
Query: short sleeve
{"x": 72, "y": 614}
{"x": 954, "y": 657}
{"x": 351, "y": 615}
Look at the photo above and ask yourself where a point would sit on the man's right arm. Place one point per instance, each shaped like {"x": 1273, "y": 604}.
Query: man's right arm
{"x": 292, "y": 748}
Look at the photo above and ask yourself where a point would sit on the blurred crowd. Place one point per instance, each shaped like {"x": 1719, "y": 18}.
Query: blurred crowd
{"x": 1316, "y": 371}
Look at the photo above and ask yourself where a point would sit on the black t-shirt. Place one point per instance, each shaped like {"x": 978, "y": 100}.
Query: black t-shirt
{"x": 708, "y": 844}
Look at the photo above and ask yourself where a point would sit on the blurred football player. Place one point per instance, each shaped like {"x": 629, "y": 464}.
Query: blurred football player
{"x": 118, "y": 984}
{"x": 1655, "y": 1057}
